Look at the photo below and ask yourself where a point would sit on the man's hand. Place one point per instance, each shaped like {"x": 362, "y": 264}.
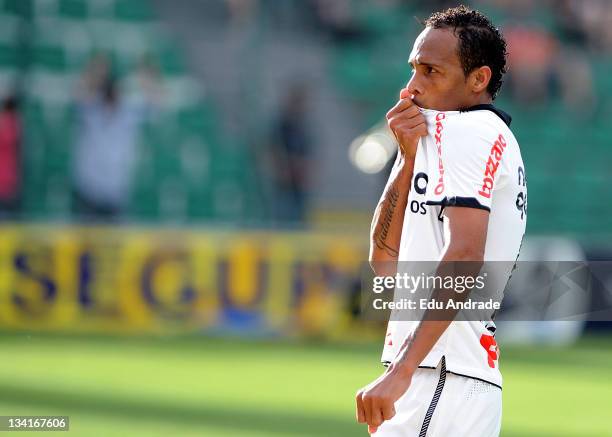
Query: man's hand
{"x": 407, "y": 124}
{"x": 376, "y": 402}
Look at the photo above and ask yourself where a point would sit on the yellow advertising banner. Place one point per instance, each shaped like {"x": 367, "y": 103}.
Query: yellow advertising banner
{"x": 122, "y": 279}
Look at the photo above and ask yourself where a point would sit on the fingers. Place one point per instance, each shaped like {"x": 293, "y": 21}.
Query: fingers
{"x": 401, "y": 122}
{"x": 400, "y": 106}
{"x": 367, "y": 408}
{"x": 405, "y": 93}
{"x": 388, "y": 411}
{"x": 373, "y": 409}
{"x": 421, "y": 129}
{"x": 409, "y": 112}
{"x": 408, "y": 118}
{"x": 361, "y": 418}
{"x": 376, "y": 418}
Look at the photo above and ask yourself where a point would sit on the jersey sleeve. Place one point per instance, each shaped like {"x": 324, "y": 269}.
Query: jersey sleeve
{"x": 469, "y": 167}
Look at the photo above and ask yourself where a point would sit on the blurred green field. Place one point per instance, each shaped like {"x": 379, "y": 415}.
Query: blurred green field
{"x": 214, "y": 387}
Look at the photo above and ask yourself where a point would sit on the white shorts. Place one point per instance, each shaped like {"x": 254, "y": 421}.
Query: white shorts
{"x": 439, "y": 403}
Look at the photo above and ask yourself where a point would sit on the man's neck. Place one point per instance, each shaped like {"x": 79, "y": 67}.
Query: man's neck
{"x": 483, "y": 99}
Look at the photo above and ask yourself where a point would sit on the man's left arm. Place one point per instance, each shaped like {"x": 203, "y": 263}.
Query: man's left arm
{"x": 375, "y": 402}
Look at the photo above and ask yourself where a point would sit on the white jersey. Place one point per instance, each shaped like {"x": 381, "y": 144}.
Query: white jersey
{"x": 469, "y": 159}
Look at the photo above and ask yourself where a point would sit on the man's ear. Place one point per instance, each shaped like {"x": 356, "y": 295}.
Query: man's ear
{"x": 480, "y": 78}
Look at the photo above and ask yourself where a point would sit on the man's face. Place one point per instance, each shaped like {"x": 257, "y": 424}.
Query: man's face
{"x": 438, "y": 81}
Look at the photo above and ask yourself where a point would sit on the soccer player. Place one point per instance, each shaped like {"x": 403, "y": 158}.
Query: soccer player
{"x": 457, "y": 192}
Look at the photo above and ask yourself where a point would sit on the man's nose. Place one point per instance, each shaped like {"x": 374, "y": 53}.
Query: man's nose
{"x": 413, "y": 86}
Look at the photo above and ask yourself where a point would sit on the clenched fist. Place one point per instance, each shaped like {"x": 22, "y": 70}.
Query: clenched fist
{"x": 407, "y": 124}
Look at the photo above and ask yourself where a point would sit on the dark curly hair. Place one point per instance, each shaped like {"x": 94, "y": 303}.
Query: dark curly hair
{"x": 480, "y": 43}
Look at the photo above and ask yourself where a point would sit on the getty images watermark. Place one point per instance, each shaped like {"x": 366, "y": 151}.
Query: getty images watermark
{"x": 412, "y": 284}
{"x": 519, "y": 291}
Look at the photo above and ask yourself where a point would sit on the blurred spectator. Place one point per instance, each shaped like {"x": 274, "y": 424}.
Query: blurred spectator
{"x": 337, "y": 17}
{"x": 106, "y": 147}
{"x": 10, "y": 139}
{"x": 576, "y": 81}
{"x": 143, "y": 87}
{"x": 594, "y": 17}
{"x": 241, "y": 12}
{"x": 291, "y": 152}
{"x": 531, "y": 60}
{"x": 568, "y": 24}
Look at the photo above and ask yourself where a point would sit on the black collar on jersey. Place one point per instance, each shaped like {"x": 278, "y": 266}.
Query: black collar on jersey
{"x": 487, "y": 106}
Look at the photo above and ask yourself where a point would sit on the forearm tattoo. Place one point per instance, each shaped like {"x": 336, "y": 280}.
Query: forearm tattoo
{"x": 388, "y": 211}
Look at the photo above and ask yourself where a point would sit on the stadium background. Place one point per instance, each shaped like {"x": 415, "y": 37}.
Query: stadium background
{"x": 219, "y": 297}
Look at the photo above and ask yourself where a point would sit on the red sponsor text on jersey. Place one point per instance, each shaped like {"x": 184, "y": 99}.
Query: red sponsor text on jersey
{"x": 439, "y": 128}
{"x": 490, "y": 345}
{"x": 491, "y": 168}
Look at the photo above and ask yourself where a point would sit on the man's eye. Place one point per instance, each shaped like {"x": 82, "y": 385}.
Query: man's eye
{"x": 431, "y": 70}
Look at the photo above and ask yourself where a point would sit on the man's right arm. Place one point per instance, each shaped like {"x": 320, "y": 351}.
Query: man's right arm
{"x": 386, "y": 230}
{"x": 408, "y": 125}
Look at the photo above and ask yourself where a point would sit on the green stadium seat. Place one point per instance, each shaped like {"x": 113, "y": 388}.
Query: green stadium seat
{"x": 10, "y": 31}
{"x": 228, "y": 200}
{"x": 45, "y": 9}
{"x": 133, "y": 10}
{"x": 51, "y": 93}
{"x": 182, "y": 93}
{"x": 57, "y": 196}
{"x": 49, "y": 58}
{"x": 73, "y": 9}
{"x": 46, "y": 46}
{"x": 59, "y": 44}
{"x": 33, "y": 165}
{"x": 200, "y": 205}
{"x": 9, "y": 80}
{"x": 380, "y": 20}
{"x": 171, "y": 62}
{"x": 173, "y": 199}
{"x": 199, "y": 120}
{"x": 21, "y": 8}
{"x": 601, "y": 72}
{"x": 144, "y": 205}
{"x": 11, "y": 56}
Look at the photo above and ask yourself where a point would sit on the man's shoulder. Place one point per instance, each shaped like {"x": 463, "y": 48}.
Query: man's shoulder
{"x": 481, "y": 118}
{"x": 477, "y": 126}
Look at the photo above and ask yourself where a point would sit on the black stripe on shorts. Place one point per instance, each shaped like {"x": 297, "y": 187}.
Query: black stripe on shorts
{"x": 434, "y": 400}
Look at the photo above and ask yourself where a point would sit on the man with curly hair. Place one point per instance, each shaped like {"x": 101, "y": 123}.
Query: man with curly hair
{"x": 456, "y": 193}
